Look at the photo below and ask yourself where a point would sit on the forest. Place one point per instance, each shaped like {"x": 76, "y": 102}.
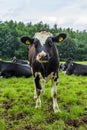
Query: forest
{"x": 75, "y": 45}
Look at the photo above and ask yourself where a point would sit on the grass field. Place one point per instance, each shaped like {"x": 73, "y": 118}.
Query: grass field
{"x": 17, "y": 106}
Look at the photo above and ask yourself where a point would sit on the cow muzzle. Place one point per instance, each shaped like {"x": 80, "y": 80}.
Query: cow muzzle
{"x": 42, "y": 57}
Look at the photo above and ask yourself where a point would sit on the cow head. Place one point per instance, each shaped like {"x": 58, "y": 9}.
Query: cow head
{"x": 44, "y": 45}
{"x": 66, "y": 64}
{"x": 70, "y": 68}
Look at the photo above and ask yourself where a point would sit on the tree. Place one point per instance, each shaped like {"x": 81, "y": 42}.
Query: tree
{"x": 75, "y": 46}
{"x": 67, "y": 49}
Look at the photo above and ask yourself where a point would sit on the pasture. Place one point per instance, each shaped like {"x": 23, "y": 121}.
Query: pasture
{"x": 17, "y": 105}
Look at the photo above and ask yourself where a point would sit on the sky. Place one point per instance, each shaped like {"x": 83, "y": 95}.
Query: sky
{"x": 64, "y": 13}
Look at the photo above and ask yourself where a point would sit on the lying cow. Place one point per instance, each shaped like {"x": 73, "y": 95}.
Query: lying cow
{"x": 44, "y": 60}
{"x": 77, "y": 69}
{"x": 8, "y": 69}
{"x": 21, "y": 61}
{"x": 63, "y": 67}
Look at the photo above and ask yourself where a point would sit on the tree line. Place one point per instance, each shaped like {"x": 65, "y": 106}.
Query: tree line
{"x": 75, "y": 45}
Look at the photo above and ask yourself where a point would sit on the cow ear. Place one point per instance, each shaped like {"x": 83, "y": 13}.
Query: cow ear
{"x": 27, "y": 40}
{"x": 59, "y": 38}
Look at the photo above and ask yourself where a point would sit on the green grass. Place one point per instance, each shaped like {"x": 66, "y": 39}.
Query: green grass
{"x": 79, "y": 62}
{"x": 17, "y": 106}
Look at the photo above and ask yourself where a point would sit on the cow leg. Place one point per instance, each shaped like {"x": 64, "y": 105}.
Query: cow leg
{"x": 42, "y": 88}
{"x": 54, "y": 96}
{"x": 35, "y": 92}
{"x": 43, "y": 84}
{"x": 38, "y": 90}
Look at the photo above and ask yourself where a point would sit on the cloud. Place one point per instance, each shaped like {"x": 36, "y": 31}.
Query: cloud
{"x": 64, "y": 13}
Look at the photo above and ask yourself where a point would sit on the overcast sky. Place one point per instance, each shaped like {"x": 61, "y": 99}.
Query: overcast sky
{"x": 64, "y": 13}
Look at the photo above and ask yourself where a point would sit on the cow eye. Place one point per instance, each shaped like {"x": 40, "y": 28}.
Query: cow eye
{"x": 49, "y": 42}
{"x": 36, "y": 43}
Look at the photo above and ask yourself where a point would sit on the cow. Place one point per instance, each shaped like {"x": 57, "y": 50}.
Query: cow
{"x": 63, "y": 67}
{"x": 75, "y": 68}
{"x": 21, "y": 61}
{"x": 9, "y": 69}
{"x": 44, "y": 60}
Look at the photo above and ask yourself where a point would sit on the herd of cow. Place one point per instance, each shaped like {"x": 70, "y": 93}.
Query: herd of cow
{"x": 44, "y": 63}
{"x": 21, "y": 68}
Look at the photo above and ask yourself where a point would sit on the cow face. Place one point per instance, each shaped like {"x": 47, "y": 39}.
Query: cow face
{"x": 44, "y": 44}
{"x": 70, "y": 69}
{"x": 65, "y": 65}
{"x": 44, "y": 52}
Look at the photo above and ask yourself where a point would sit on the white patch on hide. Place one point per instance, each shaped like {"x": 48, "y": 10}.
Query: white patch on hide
{"x": 38, "y": 74}
{"x": 42, "y": 36}
{"x": 46, "y": 79}
{"x": 50, "y": 76}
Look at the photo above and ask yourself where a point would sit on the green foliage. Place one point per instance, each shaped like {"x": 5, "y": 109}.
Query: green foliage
{"x": 75, "y": 46}
{"x": 67, "y": 49}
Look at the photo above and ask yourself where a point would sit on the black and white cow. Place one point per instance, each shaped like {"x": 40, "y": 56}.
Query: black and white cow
{"x": 8, "y": 69}
{"x": 64, "y": 66}
{"x": 44, "y": 60}
{"x": 75, "y": 68}
{"x": 21, "y": 61}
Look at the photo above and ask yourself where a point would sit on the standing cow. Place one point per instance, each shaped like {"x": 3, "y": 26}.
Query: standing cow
{"x": 44, "y": 60}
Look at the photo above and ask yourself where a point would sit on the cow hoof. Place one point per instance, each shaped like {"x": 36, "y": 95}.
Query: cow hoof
{"x": 38, "y": 103}
{"x": 56, "y": 110}
{"x": 38, "y": 106}
{"x": 42, "y": 91}
{"x": 35, "y": 97}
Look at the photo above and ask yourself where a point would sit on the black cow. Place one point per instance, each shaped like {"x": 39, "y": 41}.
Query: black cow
{"x": 8, "y": 69}
{"x": 75, "y": 68}
{"x": 64, "y": 66}
{"x": 44, "y": 60}
{"x": 21, "y": 61}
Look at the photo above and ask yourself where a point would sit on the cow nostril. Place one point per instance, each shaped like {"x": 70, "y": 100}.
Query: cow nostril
{"x": 39, "y": 56}
{"x": 46, "y": 56}
{"x": 42, "y": 57}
